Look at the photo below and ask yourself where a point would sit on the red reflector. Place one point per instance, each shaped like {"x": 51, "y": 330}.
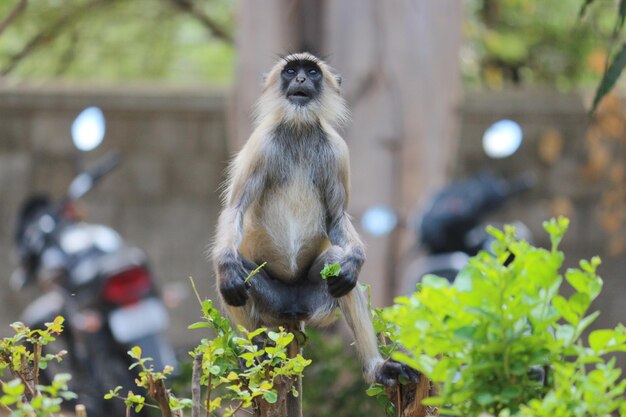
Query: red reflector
{"x": 127, "y": 287}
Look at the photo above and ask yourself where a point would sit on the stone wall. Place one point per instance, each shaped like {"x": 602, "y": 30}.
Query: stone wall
{"x": 163, "y": 196}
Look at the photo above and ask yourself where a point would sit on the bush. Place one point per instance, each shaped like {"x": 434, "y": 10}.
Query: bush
{"x": 486, "y": 339}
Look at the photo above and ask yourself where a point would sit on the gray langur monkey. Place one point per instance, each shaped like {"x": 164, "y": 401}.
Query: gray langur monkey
{"x": 285, "y": 204}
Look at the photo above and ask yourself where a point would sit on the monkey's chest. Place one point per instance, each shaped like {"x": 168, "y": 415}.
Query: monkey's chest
{"x": 286, "y": 227}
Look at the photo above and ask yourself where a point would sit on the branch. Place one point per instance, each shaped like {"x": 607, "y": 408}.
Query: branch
{"x": 48, "y": 33}
{"x": 161, "y": 396}
{"x": 215, "y": 28}
{"x": 196, "y": 390}
{"x": 17, "y": 10}
{"x": 36, "y": 357}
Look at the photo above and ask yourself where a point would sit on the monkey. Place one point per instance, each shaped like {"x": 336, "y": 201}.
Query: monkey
{"x": 284, "y": 203}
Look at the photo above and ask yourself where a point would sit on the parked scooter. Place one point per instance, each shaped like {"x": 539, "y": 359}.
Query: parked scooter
{"x": 452, "y": 227}
{"x": 103, "y": 287}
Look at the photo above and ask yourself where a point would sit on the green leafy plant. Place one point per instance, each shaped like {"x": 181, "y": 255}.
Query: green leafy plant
{"x": 262, "y": 352}
{"x": 387, "y": 345}
{"x": 22, "y": 359}
{"x": 334, "y": 380}
{"x": 238, "y": 369}
{"x": 152, "y": 382}
{"x": 486, "y": 339}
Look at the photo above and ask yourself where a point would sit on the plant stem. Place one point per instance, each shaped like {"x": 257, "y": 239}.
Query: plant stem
{"x": 195, "y": 290}
{"x": 162, "y": 397}
{"x": 398, "y": 402}
{"x": 238, "y": 407}
{"x": 208, "y": 396}
{"x": 6, "y": 408}
{"x": 253, "y": 273}
{"x": 196, "y": 389}
{"x": 36, "y": 357}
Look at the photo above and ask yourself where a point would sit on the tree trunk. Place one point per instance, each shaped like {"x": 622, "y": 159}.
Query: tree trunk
{"x": 408, "y": 399}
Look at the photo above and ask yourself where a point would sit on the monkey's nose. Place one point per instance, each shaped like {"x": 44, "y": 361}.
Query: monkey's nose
{"x": 300, "y": 79}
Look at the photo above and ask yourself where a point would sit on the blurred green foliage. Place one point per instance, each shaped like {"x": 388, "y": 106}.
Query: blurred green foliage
{"x": 114, "y": 40}
{"x": 545, "y": 42}
{"x": 333, "y": 384}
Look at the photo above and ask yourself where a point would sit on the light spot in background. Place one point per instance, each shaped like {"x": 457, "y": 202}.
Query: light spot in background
{"x": 502, "y": 139}
{"x": 88, "y": 129}
{"x": 379, "y": 220}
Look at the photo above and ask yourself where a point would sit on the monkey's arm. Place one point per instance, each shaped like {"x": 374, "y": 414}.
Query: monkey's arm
{"x": 245, "y": 185}
{"x": 341, "y": 232}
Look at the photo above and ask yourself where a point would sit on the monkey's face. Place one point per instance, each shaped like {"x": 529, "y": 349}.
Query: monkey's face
{"x": 301, "y": 81}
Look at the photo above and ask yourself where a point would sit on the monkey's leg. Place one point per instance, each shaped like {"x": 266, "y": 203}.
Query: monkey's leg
{"x": 246, "y": 315}
{"x": 355, "y": 309}
{"x": 270, "y": 302}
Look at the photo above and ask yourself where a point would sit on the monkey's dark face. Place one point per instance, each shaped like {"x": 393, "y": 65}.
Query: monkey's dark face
{"x": 301, "y": 81}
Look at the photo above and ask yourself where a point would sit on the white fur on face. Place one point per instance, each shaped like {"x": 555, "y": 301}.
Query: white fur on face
{"x": 329, "y": 107}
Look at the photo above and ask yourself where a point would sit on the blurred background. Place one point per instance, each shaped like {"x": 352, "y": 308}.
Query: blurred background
{"x": 425, "y": 79}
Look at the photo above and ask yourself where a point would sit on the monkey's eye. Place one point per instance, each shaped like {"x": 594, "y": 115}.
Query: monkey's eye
{"x": 290, "y": 71}
{"x": 313, "y": 71}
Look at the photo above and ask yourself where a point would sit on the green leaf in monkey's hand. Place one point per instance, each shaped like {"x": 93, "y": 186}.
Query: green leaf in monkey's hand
{"x": 330, "y": 270}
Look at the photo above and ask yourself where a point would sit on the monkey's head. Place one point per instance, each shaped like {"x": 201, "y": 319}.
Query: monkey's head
{"x": 302, "y": 88}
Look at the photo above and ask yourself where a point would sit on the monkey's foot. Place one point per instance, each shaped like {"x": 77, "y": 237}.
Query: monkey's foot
{"x": 392, "y": 372}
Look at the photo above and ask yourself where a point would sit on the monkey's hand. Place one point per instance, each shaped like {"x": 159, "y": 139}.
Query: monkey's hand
{"x": 346, "y": 280}
{"x": 232, "y": 285}
{"x": 392, "y": 372}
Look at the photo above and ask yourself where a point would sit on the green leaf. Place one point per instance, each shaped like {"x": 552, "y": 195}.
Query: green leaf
{"x": 511, "y": 392}
{"x": 199, "y": 325}
{"x": 375, "y": 390}
{"x": 584, "y": 323}
{"x": 621, "y": 14}
{"x": 610, "y": 77}
{"x": 270, "y": 396}
{"x": 13, "y": 388}
{"x": 466, "y": 333}
{"x": 330, "y": 270}
{"x": 600, "y": 339}
{"x": 563, "y": 307}
{"x": 135, "y": 352}
{"x": 485, "y": 398}
{"x": 579, "y": 303}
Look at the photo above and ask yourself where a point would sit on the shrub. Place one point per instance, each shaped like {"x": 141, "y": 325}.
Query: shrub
{"x": 486, "y": 339}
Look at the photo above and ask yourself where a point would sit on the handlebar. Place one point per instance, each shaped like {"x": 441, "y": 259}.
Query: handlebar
{"x": 86, "y": 180}
{"x": 107, "y": 164}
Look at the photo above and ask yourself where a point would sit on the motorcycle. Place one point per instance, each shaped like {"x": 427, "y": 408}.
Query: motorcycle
{"x": 101, "y": 285}
{"x": 452, "y": 227}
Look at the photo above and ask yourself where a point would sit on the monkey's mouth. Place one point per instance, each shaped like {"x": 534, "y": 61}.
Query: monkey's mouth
{"x": 299, "y": 97}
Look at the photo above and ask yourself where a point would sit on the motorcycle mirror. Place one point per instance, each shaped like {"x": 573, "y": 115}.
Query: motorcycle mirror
{"x": 379, "y": 220}
{"x": 502, "y": 139}
{"x": 88, "y": 129}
